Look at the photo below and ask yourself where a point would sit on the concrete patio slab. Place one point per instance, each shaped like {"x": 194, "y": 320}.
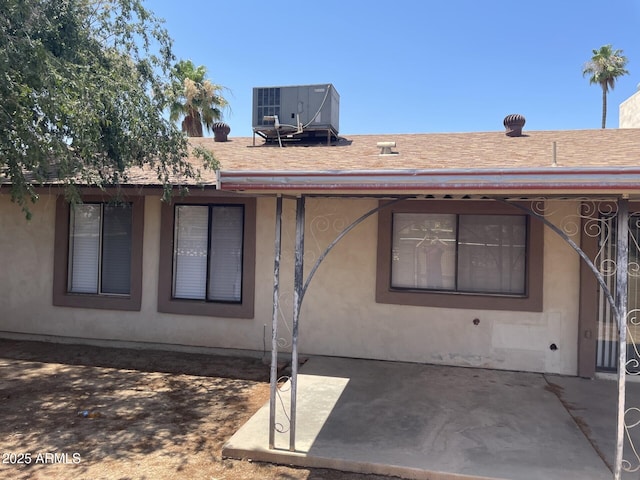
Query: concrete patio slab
{"x": 592, "y": 404}
{"x": 424, "y": 422}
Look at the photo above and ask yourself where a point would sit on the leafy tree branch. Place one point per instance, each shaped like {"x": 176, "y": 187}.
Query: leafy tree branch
{"x": 83, "y": 88}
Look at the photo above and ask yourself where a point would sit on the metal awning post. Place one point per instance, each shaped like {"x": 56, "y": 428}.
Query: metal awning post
{"x": 274, "y": 324}
{"x": 297, "y": 303}
{"x": 622, "y": 260}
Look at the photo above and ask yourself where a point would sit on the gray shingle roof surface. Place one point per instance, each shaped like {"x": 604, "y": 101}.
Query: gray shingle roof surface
{"x": 475, "y": 151}
{"x": 482, "y": 150}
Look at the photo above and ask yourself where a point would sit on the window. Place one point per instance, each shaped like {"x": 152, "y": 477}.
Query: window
{"x": 207, "y": 259}
{"x": 100, "y": 249}
{"x": 207, "y": 252}
{"x": 98, "y": 253}
{"x": 459, "y": 254}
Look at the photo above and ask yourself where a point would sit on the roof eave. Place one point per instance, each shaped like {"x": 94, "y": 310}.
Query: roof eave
{"x": 461, "y": 181}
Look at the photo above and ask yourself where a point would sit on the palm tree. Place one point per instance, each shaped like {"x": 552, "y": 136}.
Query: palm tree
{"x": 605, "y": 67}
{"x": 195, "y": 98}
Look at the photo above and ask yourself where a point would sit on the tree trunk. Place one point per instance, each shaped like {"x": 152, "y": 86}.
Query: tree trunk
{"x": 604, "y": 106}
{"x": 192, "y": 126}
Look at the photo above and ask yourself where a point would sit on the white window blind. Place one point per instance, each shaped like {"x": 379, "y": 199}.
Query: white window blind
{"x": 84, "y": 246}
{"x": 190, "y": 251}
{"x": 208, "y": 245}
{"x": 100, "y": 249}
{"x": 225, "y": 266}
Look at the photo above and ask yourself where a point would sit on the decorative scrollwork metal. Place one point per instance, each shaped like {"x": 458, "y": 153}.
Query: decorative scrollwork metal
{"x": 631, "y": 420}
{"x": 285, "y": 306}
{"x": 285, "y": 383}
{"x": 633, "y": 327}
{"x": 323, "y": 225}
{"x": 598, "y": 219}
{"x": 594, "y": 218}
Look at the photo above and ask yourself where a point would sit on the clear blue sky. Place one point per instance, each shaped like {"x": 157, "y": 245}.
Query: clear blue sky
{"x": 414, "y": 66}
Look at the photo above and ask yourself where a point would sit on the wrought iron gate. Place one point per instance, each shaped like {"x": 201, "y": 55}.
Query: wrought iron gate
{"x": 607, "y": 340}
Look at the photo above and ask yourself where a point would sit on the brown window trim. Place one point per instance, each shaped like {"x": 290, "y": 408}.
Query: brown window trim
{"x": 61, "y": 297}
{"x": 385, "y": 293}
{"x": 168, "y": 304}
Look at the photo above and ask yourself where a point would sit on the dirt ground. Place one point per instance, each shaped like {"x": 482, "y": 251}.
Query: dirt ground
{"x": 87, "y": 412}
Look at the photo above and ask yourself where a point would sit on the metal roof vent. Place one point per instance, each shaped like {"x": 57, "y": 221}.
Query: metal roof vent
{"x": 513, "y": 125}
{"x": 220, "y": 131}
{"x": 385, "y": 148}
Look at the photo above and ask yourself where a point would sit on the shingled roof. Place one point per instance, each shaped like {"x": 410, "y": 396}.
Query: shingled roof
{"x": 559, "y": 162}
{"x": 567, "y": 159}
{"x": 483, "y": 150}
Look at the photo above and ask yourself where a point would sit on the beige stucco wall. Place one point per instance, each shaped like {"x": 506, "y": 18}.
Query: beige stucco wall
{"x": 339, "y": 315}
{"x": 26, "y": 299}
{"x": 630, "y": 112}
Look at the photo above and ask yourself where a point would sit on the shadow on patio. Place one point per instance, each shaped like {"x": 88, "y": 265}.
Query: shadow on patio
{"x": 436, "y": 422}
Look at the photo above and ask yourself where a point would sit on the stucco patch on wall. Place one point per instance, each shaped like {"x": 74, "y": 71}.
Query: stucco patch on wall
{"x": 520, "y": 337}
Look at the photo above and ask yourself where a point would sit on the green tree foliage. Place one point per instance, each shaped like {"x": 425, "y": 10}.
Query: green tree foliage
{"x": 604, "y": 68}
{"x": 195, "y": 98}
{"x": 82, "y": 92}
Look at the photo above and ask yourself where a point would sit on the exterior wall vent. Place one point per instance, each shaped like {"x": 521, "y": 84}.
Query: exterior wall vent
{"x": 513, "y": 125}
{"x": 296, "y": 113}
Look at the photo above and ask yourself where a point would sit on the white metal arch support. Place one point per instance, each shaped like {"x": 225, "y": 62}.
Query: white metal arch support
{"x": 618, "y": 303}
{"x": 300, "y": 289}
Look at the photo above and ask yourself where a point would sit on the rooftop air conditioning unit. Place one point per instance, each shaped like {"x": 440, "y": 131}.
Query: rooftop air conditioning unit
{"x": 296, "y": 112}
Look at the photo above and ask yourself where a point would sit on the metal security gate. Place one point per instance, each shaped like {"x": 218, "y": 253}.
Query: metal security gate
{"x": 607, "y": 340}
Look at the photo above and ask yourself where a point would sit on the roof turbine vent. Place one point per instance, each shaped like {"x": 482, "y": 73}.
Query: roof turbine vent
{"x": 220, "y": 131}
{"x": 513, "y": 125}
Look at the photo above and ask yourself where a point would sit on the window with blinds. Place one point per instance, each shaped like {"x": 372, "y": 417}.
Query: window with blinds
{"x": 100, "y": 237}
{"x": 207, "y": 252}
{"x": 460, "y": 253}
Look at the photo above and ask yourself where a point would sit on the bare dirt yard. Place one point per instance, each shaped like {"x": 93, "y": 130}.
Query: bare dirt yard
{"x": 85, "y": 412}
